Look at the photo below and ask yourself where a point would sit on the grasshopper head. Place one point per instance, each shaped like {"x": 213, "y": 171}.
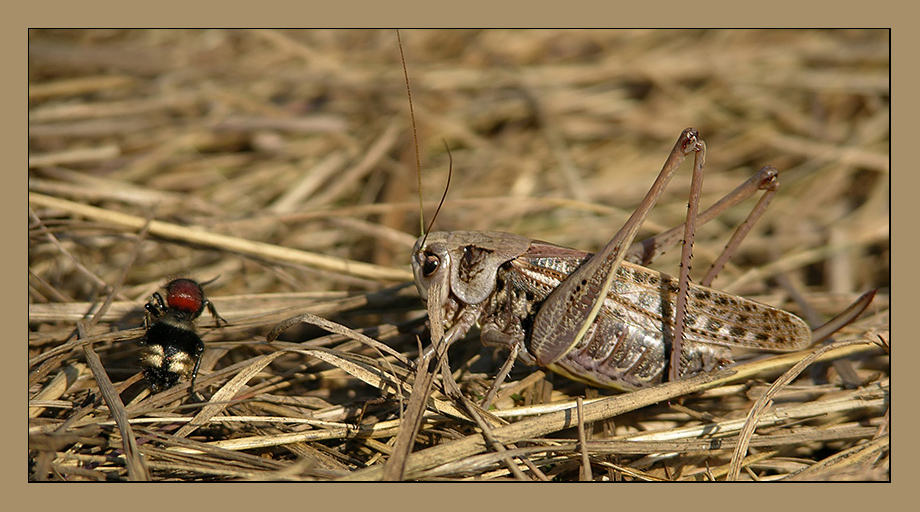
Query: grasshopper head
{"x": 465, "y": 263}
{"x": 431, "y": 263}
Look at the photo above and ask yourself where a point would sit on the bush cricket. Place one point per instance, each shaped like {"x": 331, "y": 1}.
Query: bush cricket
{"x": 604, "y": 319}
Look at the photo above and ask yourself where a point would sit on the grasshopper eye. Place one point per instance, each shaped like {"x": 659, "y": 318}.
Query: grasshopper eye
{"x": 430, "y": 265}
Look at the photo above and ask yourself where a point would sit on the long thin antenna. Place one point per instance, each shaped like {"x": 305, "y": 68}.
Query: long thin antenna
{"x": 418, "y": 161}
{"x": 450, "y": 172}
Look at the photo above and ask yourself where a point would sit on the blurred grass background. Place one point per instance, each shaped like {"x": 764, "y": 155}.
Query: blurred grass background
{"x": 302, "y": 140}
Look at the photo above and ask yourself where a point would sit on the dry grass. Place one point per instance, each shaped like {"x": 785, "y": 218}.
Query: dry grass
{"x": 283, "y": 162}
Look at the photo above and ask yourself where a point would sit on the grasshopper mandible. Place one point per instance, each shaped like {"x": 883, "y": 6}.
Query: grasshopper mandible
{"x": 600, "y": 318}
